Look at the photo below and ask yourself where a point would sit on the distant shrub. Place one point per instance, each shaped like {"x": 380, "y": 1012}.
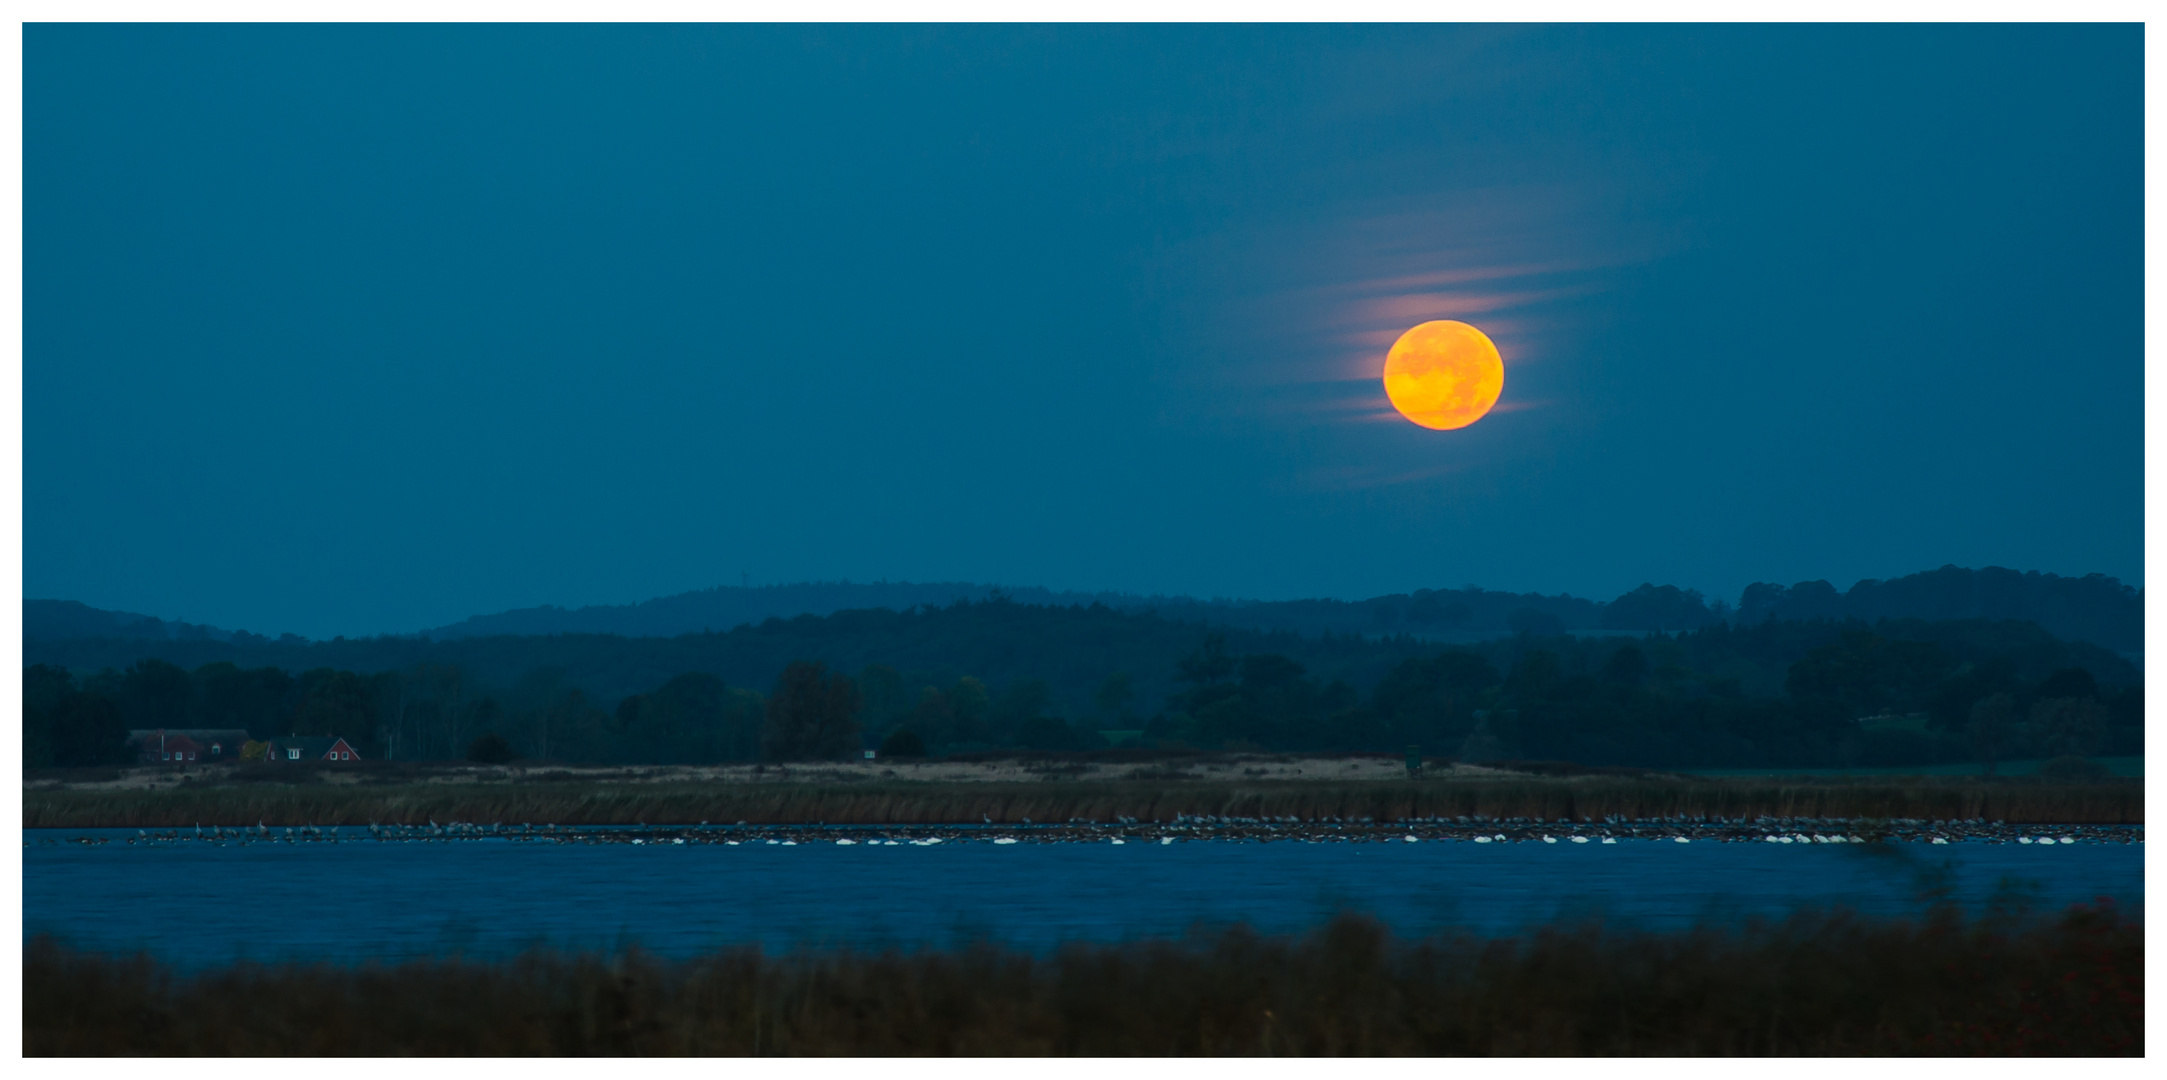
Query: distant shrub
{"x": 2073, "y": 769}
{"x": 490, "y": 749}
{"x": 902, "y": 743}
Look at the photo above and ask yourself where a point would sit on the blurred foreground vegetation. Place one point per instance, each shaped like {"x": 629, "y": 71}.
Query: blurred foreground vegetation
{"x": 1815, "y": 984}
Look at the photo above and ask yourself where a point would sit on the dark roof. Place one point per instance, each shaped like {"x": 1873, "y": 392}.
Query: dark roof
{"x": 206, "y": 736}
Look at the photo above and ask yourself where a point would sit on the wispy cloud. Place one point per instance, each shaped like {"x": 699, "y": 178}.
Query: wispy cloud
{"x": 1329, "y": 301}
{"x": 1296, "y": 346}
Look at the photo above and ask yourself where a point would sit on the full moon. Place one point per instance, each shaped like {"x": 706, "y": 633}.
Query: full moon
{"x": 1443, "y": 374}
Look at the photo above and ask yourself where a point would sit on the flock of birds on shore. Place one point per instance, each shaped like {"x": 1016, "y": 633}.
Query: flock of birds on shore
{"x": 1127, "y": 830}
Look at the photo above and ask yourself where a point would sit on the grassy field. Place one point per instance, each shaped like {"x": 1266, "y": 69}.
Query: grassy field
{"x": 2132, "y": 767}
{"x": 664, "y": 801}
{"x": 1812, "y": 985}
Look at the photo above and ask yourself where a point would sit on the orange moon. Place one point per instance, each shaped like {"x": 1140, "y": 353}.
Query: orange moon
{"x": 1443, "y": 375}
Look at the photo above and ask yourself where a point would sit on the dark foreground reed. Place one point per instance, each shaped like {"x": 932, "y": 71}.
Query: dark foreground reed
{"x": 1813, "y": 984}
{"x": 926, "y": 803}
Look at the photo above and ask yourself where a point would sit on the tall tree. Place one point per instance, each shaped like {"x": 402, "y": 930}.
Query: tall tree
{"x": 1209, "y": 663}
{"x": 811, "y": 715}
{"x": 156, "y": 694}
{"x": 886, "y": 702}
{"x": 1993, "y": 725}
{"x": 1115, "y": 695}
{"x": 335, "y": 703}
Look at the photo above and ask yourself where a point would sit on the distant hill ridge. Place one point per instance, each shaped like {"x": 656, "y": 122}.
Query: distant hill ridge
{"x": 63, "y": 620}
{"x": 2093, "y": 608}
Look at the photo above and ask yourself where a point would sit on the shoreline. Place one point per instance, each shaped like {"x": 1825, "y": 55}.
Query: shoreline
{"x": 660, "y": 798}
{"x": 1789, "y": 831}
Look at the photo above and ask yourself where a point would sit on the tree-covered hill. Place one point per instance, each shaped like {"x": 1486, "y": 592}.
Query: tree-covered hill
{"x": 985, "y": 675}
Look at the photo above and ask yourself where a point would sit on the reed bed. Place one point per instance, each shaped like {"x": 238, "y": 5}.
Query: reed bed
{"x": 1815, "y": 984}
{"x": 920, "y": 803}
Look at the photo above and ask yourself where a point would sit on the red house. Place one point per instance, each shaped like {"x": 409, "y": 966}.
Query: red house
{"x": 296, "y": 748}
{"x": 171, "y": 746}
{"x": 194, "y": 746}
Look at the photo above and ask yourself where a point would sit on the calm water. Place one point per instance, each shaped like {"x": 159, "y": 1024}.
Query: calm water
{"x": 198, "y": 903}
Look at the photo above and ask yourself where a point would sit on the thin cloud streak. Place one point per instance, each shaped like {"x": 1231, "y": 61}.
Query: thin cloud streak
{"x": 1512, "y": 261}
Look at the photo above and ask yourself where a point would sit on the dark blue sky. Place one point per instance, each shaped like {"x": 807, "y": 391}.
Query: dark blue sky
{"x": 348, "y": 330}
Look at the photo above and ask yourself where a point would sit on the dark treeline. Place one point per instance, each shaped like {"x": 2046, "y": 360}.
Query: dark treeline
{"x": 1813, "y": 984}
{"x": 984, "y": 676}
{"x": 1894, "y": 694}
{"x": 2094, "y": 608}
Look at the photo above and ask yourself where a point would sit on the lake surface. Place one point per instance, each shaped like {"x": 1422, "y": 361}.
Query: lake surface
{"x": 197, "y": 903}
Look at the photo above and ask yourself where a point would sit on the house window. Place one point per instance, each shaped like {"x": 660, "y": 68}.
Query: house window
{"x": 293, "y": 755}
{"x": 163, "y": 756}
{"x": 216, "y": 750}
{"x": 191, "y": 755}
